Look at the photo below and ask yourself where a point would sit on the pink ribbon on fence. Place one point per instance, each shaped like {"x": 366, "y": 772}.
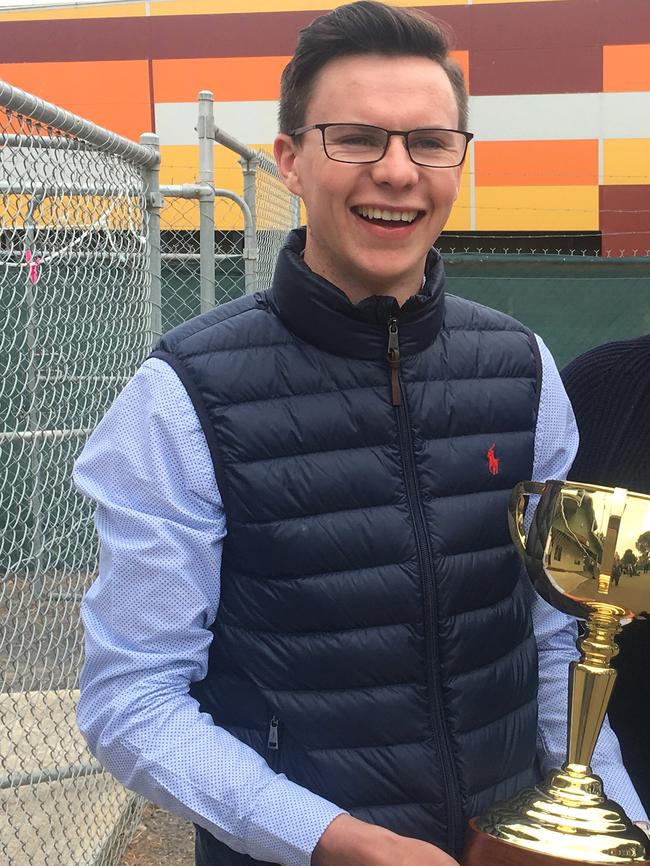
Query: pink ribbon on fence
{"x": 34, "y": 263}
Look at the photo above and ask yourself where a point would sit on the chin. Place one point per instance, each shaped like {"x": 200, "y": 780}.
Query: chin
{"x": 390, "y": 272}
{"x": 383, "y": 282}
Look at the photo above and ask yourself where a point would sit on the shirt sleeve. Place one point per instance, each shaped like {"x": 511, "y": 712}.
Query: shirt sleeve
{"x": 147, "y": 616}
{"x": 556, "y": 444}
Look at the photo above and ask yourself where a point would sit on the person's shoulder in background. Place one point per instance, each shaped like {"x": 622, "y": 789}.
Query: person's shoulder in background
{"x": 609, "y": 388}
{"x": 616, "y": 359}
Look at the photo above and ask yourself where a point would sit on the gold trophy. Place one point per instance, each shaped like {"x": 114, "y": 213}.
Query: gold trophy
{"x": 579, "y": 554}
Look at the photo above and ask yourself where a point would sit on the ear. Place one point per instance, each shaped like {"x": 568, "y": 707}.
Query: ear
{"x": 287, "y": 159}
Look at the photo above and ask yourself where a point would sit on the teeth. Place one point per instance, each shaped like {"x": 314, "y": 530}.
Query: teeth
{"x": 374, "y": 213}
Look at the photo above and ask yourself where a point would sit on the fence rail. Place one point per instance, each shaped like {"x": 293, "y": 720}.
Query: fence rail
{"x": 52, "y": 117}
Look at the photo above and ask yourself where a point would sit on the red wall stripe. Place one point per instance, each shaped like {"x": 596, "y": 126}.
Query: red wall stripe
{"x": 526, "y": 26}
{"x": 501, "y": 71}
{"x": 625, "y": 219}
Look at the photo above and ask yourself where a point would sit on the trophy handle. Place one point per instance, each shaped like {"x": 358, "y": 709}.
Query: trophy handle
{"x": 517, "y": 509}
{"x": 532, "y": 545}
{"x": 592, "y": 677}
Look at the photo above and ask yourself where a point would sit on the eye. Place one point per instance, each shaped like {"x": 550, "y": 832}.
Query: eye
{"x": 354, "y": 137}
{"x": 356, "y": 140}
{"x": 428, "y": 141}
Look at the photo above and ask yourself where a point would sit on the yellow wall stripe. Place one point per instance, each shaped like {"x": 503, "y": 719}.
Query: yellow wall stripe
{"x": 221, "y": 7}
{"x": 536, "y": 208}
{"x": 214, "y": 7}
{"x": 626, "y": 161}
{"x": 113, "y": 10}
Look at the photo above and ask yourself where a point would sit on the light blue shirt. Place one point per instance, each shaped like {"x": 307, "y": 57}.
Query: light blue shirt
{"x": 161, "y": 525}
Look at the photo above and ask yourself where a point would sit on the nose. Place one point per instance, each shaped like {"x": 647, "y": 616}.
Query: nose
{"x": 396, "y": 168}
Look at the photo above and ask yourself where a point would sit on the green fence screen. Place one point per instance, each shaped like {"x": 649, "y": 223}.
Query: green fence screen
{"x": 573, "y": 303}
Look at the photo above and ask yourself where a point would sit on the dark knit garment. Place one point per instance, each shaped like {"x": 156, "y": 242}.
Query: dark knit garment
{"x": 609, "y": 387}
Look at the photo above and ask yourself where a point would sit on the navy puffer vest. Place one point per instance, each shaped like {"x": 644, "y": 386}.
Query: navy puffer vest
{"x": 373, "y": 639}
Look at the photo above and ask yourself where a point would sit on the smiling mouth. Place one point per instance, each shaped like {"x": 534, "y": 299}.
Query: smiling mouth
{"x": 387, "y": 218}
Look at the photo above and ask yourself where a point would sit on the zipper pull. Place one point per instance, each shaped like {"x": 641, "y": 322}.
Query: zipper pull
{"x": 393, "y": 361}
{"x": 273, "y": 742}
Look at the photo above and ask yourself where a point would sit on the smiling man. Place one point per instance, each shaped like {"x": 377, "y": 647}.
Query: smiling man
{"x": 310, "y": 634}
{"x": 375, "y": 201}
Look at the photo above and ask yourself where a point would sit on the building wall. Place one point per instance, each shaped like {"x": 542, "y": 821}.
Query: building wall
{"x": 560, "y": 96}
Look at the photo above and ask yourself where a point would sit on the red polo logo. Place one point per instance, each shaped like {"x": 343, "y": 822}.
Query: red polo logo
{"x": 493, "y": 462}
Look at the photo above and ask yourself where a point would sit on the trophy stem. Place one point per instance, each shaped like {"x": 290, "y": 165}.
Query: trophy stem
{"x": 591, "y": 683}
{"x": 568, "y": 815}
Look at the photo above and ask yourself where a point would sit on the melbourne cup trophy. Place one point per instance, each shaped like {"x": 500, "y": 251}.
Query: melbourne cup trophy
{"x": 579, "y": 554}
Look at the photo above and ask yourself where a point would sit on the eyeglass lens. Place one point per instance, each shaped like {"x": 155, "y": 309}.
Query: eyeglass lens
{"x": 431, "y": 147}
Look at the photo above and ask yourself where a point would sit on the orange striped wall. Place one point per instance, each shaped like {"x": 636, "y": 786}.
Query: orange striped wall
{"x": 229, "y": 78}
{"x": 626, "y": 68}
{"x": 111, "y": 93}
{"x": 536, "y": 163}
{"x": 507, "y": 50}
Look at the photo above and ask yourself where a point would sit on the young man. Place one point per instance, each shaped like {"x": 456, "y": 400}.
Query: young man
{"x": 310, "y": 634}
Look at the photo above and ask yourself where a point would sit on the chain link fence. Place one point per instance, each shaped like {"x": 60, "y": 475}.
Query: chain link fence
{"x": 181, "y": 258}
{"x": 89, "y": 276}
{"x": 277, "y": 212}
{"x": 76, "y": 322}
{"x": 217, "y": 245}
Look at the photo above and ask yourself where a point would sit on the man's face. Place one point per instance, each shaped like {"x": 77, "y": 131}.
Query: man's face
{"x": 359, "y": 256}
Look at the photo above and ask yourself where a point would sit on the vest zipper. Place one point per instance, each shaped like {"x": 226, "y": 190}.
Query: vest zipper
{"x": 273, "y": 743}
{"x": 455, "y": 830}
{"x": 394, "y": 361}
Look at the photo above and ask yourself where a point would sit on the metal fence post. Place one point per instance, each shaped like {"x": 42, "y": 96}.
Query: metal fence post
{"x": 155, "y": 200}
{"x": 205, "y": 130}
{"x": 297, "y": 210}
{"x": 251, "y": 254}
{"x": 33, "y": 389}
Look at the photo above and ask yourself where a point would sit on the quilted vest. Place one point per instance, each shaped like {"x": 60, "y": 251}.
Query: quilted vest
{"x": 373, "y": 641}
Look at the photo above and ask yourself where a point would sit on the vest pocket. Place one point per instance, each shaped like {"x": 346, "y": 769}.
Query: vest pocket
{"x": 273, "y": 744}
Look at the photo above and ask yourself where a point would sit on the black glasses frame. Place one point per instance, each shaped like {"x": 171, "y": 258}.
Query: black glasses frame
{"x": 403, "y": 133}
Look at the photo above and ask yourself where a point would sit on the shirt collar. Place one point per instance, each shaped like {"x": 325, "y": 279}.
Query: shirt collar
{"x": 317, "y": 311}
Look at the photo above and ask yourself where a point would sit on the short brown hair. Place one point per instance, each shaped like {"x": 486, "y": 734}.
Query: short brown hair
{"x": 365, "y": 27}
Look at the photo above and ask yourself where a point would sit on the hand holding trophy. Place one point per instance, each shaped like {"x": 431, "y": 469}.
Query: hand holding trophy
{"x": 576, "y": 553}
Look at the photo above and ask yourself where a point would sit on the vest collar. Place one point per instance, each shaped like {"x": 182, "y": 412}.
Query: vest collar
{"x": 316, "y": 311}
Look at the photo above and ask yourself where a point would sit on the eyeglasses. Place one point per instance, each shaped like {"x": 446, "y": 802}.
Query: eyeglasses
{"x": 361, "y": 143}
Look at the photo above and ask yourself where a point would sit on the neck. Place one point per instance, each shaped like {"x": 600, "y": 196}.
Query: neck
{"x": 357, "y": 288}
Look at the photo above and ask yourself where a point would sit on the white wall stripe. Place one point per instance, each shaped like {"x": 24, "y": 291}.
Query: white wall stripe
{"x": 472, "y": 188}
{"x": 545, "y": 117}
{"x": 549, "y": 117}
{"x": 252, "y": 122}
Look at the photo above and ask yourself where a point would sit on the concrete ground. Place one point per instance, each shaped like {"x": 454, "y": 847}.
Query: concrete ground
{"x": 161, "y": 839}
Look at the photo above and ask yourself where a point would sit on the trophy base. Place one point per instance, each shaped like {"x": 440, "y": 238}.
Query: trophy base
{"x": 481, "y": 849}
{"x": 563, "y": 821}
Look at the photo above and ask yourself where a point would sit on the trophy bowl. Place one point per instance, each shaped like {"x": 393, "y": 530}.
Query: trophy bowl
{"x": 587, "y": 553}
